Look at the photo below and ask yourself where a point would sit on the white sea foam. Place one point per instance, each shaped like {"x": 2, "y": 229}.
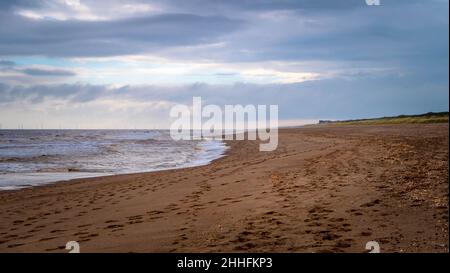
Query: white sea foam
{"x": 36, "y": 157}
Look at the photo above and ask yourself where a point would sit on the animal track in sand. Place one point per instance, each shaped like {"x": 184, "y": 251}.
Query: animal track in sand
{"x": 80, "y": 233}
{"x": 56, "y": 248}
{"x": 14, "y": 245}
{"x": 57, "y": 231}
{"x": 137, "y": 219}
{"x": 114, "y": 226}
{"x": 48, "y": 238}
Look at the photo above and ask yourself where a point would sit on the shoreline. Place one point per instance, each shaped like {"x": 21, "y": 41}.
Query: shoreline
{"x": 206, "y": 153}
{"x": 87, "y": 179}
{"x": 322, "y": 190}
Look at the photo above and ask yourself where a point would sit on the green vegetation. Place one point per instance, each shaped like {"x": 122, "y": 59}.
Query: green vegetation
{"x": 424, "y": 118}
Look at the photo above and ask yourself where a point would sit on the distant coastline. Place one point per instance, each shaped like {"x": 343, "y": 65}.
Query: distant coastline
{"x": 430, "y": 117}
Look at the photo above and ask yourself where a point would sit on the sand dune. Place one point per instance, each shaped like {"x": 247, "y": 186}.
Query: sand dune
{"x": 323, "y": 190}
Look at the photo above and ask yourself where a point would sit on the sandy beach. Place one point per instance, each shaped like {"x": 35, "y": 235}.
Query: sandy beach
{"x": 325, "y": 189}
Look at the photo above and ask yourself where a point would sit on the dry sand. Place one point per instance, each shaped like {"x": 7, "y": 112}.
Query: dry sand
{"x": 325, "y": 189}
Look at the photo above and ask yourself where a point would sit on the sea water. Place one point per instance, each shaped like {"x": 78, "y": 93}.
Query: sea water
{"x": 36, "y": 157}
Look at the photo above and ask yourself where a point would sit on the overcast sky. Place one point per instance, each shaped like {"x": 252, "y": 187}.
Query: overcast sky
{"x": 124, "y": 63}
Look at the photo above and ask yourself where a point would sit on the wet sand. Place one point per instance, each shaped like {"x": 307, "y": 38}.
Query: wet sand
{"x": 325, "y": 189}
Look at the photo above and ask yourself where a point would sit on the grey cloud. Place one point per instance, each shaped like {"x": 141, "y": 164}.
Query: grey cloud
{"x": 225, "y": 74}
{"x": 11, "y": 4}
{"x": 205, "y": 6}
{"x": 22, "y": 36}
{"x": 233, "y": 6}
{"x": 358, "y": 97}
{"x": 408, "y": 36}
{"x": 48, "y": 72}
{"x": 398, "y": 30}
{"x": 13, "y": 73}
{"x": 6, "y": 63}
{"x": 75, "y": 93}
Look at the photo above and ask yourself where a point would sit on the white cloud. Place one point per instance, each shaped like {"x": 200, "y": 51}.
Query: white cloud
{"x": 88, "y": 10}
{"x": 147, "y": 69}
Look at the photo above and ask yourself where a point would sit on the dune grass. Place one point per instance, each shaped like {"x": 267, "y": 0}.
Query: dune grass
{"x": 403, "y": 119}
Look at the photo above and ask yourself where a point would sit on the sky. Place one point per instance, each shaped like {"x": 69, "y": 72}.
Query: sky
{"x": 125, "y": 63}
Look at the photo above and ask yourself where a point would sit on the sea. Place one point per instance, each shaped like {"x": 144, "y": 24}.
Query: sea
{"x": 35, "y": 157}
